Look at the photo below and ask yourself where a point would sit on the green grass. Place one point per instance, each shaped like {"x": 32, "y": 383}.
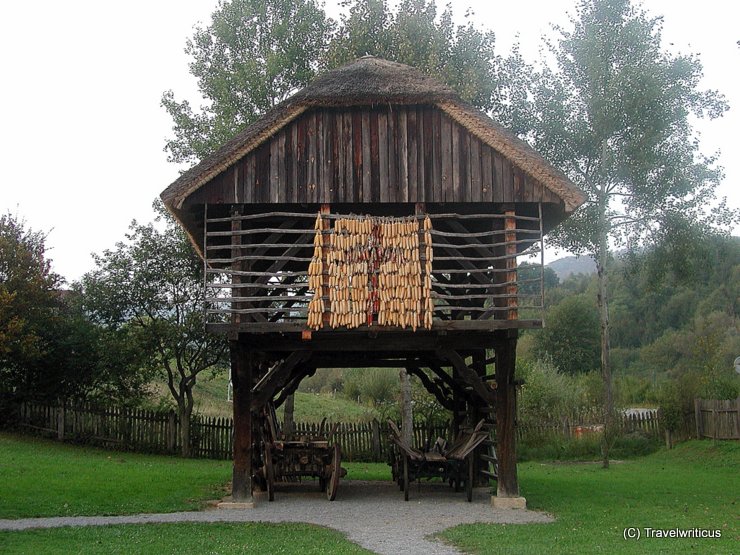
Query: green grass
{"x": 313, "y": 407}
{"x": 209, "y": 394}
{"x": 44, "y": 478}
{"x": 41, "y": 477}
{"x": 179, "y": 539}
{"x": 695, "y": 485}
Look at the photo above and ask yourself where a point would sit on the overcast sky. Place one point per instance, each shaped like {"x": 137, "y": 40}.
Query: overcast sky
{"x": 82, "y": 132}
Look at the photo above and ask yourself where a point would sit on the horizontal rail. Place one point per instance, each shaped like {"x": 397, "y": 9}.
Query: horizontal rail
{"x": 260, "y": 246}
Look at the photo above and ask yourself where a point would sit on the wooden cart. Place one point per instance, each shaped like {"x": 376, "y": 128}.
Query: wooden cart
{"x": 292, "y": 458}
{"x": 454, "y": 464}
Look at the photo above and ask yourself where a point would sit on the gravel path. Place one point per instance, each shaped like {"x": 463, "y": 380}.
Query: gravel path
{"x": 372, "y": 514}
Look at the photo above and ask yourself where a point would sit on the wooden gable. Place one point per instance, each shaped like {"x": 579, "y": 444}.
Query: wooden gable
{"x": 380, "y": 154}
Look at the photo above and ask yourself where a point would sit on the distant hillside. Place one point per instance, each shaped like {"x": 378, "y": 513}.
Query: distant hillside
{"x": 569, "y": 265}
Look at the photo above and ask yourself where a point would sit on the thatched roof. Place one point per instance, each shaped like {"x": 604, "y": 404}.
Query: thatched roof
{"x": 370, "y": 81}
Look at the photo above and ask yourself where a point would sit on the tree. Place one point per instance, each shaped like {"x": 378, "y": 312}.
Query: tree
{"x": 616, "y": 117}
{"x": 571, "y": 338}
{"x": 463, "y": 57}
{"x": 151, "y": 284}
{"x": 253, "y": 54}
{"x": 49, "y": 349}
{"x": 27, "y": 301}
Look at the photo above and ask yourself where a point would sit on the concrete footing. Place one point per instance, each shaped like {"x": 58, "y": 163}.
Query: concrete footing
{"x": 508, "y": 502}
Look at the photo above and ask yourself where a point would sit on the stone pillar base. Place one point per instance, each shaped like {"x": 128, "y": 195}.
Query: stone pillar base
{"x": 508, "y": 502}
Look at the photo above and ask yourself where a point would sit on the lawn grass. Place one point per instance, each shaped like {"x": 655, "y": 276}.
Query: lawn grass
{"x": 298, "y": 539}
{"x": 695, "y": 485}
{"x": 40, "y": 477}
{"x": 210, "y": 399}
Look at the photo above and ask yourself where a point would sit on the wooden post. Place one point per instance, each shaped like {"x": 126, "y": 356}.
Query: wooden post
{"x": 60, "y": 422}
{"x": 697, "y": 417}
{"x": 512, "y": 290}
{"x": 376, "y": 439}
{"x": 241, "y": 376}
{"x": 507, "y": 495}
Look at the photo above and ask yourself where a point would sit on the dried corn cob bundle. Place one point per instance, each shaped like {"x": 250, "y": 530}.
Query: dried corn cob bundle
{"x": 372, "y": 266}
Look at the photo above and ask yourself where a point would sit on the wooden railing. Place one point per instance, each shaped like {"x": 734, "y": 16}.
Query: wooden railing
{"x": 256, "y": 267}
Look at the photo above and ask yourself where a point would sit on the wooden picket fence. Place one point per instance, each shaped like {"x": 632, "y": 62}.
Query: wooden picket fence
{"x": 158, "y": 431}
{"x": 588, "y": 423}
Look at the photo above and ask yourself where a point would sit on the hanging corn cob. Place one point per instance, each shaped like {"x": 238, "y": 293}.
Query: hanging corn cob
{"x": 371, "y": 268}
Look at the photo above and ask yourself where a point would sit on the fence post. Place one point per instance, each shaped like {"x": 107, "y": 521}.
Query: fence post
{"x": 376, "y": 439}
{"x": 171, "y": 431}
{"x": 697, "y": 416}
{"x": 60, "y": 422}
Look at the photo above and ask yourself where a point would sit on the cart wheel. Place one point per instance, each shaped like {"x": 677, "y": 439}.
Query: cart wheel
{"x": 269, "y": 473}
{"x": 336, "y": 470}
{"x": 406, "y": 479}
{"x": 469, "y": 481}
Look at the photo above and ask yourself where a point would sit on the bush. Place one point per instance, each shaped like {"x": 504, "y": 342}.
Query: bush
{"x": 548, "y": 394}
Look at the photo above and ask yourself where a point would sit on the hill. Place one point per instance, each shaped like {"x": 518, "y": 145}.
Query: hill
{"x": 572, "y": 265}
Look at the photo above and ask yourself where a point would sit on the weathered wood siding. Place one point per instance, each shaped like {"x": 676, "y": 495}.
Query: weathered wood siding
{"x": 389, "y": 154}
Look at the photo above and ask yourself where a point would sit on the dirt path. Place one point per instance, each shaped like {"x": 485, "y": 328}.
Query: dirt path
{"x": 371, "y": 514}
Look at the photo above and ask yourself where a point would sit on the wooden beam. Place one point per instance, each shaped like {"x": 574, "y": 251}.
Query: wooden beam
{"x": 481, "y": 388}
{"x": 241, "y": 378}
{"x": 443, "y": 396}
{"x": 276, "y": 378}
{"x": 508, "y": 484}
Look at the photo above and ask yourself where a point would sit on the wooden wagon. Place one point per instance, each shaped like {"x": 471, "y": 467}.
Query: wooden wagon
{"x": 454, "y": 464}
{"x": 292, "y": 458}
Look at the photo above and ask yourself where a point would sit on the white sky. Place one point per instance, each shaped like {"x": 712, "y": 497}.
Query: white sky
{"x": 82, "y": 132}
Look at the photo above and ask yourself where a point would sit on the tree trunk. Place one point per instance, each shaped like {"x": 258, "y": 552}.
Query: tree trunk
{"x": 185, "y": 412}
{"x": 289, "y": 409}
{"x": 407, "y": 415}
{"x": 603, "y": 304}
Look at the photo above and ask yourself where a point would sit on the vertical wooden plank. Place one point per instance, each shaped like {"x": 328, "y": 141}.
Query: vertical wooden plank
{"x": 383, "y": 157}
{"x": 498, "y": 187}
{"x": 458, "y": 161}
{"x": 437, "y": 182}
{"x": 402, "y": 154}
{"x": 339, "y": 147}
{"x": 444, "y": 192}
{"x": 280, "y": 195}
{"x": 292, "y": 162}
{"x": 393, "y": 156}
{"x": 477, "y": 169}
{"x": 302, "y": 159}
{"x": 470, "y": 162}
{"x": 508, "y": 180}
{"x": 242, "y": 193}
{"x": 322, "y": 188}
{"x": 366, "y": 158}
{"x": 349, "y": 169}
{"x": 413, "y": 158}
{"x": 374, "y": 158}
{"x": 313, "y": 186}
{"x": 274, "y": 164}
{"x": 249, "y": 180}
{"x": 518, "y": 185}
{"x": 428, "y": 154}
